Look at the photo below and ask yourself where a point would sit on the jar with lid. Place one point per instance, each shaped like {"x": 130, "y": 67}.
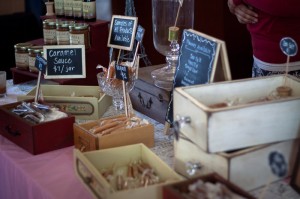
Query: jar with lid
{"x": 68, "y": 8}
{"x": 59, "y": 8}
{"x": 49, "y": 31}
{"x": 62, "y": 32}
{"x": 21, "y": 55}
{"x": 89, "y": 10}
{"x": 77, "y": 9}
{"x": 79, "y": 34}
{"x": 32, "y": 53}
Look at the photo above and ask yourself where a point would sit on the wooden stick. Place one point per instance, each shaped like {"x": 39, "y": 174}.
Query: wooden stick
{"x": 38, "y": 87}
{"x": 135, "y": 54}
{"x": 125, "y": 98}
{"x": 263, "y": 193}
{"x": 119, "y": 56}
{"x": 286, "y": 70}
{"x": 177, "y": 14}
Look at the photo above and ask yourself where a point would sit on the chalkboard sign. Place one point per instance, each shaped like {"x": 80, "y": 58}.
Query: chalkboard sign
{"x": 122, "y": 32}
{"x": 140, "y": 33}
{"x": 122, "y": 73}
{"x": 199, "y": 57}
{"x": 65, "y": 61}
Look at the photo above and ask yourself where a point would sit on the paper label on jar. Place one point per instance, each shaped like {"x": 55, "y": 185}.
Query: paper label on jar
{"x": 59, "y": 4}
{"x": 49, "y": 35}
{"x": 89, "y": 9}
{"x": 31, "y": 61}
{"x": 77, "y": 39}
{"x": 63, "y": 36}
{"x": 21, "y": 59}
{"x": 77, "y": 5}
{"x": 68, "y": 4}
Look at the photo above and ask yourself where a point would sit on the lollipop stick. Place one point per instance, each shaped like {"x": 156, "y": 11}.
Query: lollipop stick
{"x": 38, "y": 87}
{"x": 286, "y": 70}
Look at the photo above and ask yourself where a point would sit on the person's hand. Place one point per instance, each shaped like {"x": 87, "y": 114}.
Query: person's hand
{"x": 244, "y": 13}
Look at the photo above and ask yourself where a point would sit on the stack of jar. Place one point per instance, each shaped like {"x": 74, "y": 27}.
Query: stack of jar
{"x": 25, "y": 55}
{"x": 65, "y": 33}
{"x": 76, "y": 9}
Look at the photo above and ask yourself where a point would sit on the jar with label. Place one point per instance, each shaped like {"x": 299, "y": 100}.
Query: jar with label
{"x": 68, "y": 8}
{"x": 59, "y": 8}
{"x": 21, "y": 55}
{"x": 79, "y": 35}
{"x": 62, "y": 32}
{"x": 32, "y": 53}
{"x": 89, "y": 10}
{"x": 49, "y": 31}
{"x": 77, "y": 9}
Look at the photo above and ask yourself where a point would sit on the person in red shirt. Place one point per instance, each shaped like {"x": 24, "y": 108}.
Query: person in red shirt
{"x": 269, "y": 21}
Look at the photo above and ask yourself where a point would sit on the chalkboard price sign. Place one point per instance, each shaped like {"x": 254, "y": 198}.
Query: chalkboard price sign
{"x": 122, "y": 32}
{"x": 198, "y": 61}
{"x": 122, "y": 73}
{"x": 65, "y": 61}
{"x": 140, "y": 33}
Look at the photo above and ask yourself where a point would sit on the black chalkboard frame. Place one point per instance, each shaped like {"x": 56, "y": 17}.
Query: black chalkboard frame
{"x": 220, "y": 69}
{"x": 135, "y": 23}
{"x": 83, "y": 61}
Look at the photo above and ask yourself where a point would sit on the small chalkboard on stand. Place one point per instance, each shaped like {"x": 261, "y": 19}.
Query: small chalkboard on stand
{"x": 202, "y": 59}
{"x": 122, "y": 32}
{"x": 65, "y": 61}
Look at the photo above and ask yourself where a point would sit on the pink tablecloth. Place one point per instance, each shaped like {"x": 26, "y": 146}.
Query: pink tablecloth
{"x": 45, "y": 176}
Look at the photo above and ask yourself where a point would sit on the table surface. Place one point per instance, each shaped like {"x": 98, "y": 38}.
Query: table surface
{"x": 51, "y": 175}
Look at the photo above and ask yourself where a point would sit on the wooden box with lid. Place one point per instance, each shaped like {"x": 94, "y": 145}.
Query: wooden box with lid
{"x": 35, "y": 138}
{"x": 149, "y": 99}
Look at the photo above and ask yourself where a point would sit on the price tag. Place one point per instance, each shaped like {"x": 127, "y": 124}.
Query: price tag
{"x": 140, "y": 33}
{"x": 40, "y": 63}
{"x": 278, "y": 164}
{"x": 288, "y": 46}
{"x": 122, "y": 73}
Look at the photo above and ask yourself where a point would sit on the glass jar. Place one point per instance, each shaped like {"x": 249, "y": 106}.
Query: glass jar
{"x": 68, "y": 8}
{"x": 32, "y": 53}
{"x": 59, "y": 8}
{"x": 79, "y": 35}
{"x": 77, "y": 9}
{"x": 62, "y": 32}
{"x": 89, "y": 10}
{"x": 49, "y": 31}
{"x": 21, "y": 55}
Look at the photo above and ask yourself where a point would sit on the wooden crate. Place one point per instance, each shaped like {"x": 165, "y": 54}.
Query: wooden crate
{"x": 176, "y": 190}
{"x": 36, "y": 138}
{"x": 86, "y": 141}
{"x": 84, "y": 102}
{"x": 248, "y": 168}
{"x": 87, "y": 166}
{"x": 243, "y": 125}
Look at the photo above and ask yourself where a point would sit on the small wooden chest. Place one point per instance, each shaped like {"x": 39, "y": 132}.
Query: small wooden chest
{"x": 147, "y": 98}
{"x": 37, "y": 138}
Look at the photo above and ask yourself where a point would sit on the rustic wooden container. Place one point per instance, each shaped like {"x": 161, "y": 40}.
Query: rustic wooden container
{"x": 84, "y": 102}
{"x": 248, "y": 168}
{"x": 88, "y": 164}
{"x": 175, "y": 191}
{"x": 238, "y": 126}
{"x": 86, "y": 141}
{"x": 36, "y": 138}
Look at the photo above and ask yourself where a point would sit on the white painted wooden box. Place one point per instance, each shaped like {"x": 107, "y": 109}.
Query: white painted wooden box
{"x": 88, "y": 165}
{"x": 248, "y": 168}
{"x": 84, "y": 102}
{"x": 245, "y": 124}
